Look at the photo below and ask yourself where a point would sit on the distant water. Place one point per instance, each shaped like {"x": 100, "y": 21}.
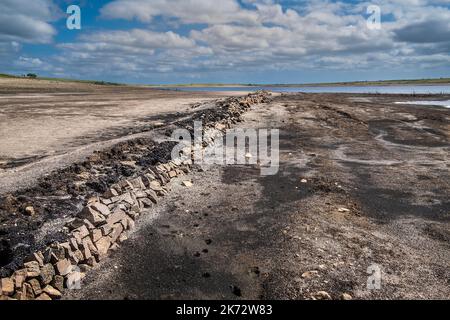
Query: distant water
{"x": 444, "y": 103}
{"x": 432, "y": 89}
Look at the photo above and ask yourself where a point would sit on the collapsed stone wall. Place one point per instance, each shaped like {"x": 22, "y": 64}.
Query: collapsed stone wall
{"x": 107, "y": 219}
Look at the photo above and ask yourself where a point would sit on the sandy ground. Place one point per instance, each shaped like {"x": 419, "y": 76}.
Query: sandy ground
{"x": 238, "y": 235}
{"x": 62, "y": 122}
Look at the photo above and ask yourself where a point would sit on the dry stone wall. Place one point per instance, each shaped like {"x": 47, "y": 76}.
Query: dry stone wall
{"x": 106, "y": 220}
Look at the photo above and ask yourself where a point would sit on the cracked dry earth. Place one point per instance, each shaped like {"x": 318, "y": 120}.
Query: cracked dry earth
{"x": 359, "y": 183}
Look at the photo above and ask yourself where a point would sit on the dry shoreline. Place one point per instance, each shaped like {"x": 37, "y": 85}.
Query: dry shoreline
{"x": 387, "y": 164}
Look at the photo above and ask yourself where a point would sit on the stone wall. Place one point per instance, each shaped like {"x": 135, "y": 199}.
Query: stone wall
{"x": 106, "y": 220}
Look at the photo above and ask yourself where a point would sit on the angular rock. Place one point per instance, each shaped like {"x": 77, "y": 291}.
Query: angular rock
{"x": 37, "y": 256}
{"x": 6, "y": 286}
{"x": 63, "y": 267}
{"x": 187, "y": 183}
{"x": 19, "y": 277}
{"x": 117, "y": 231}
{"x": 103, "y": 245}
{"x": 44, "y": 297}
{"x": 35, "y": 285}
{"x": 47, "y": 274}
{"x": 25, "y": 293}
{"x": 52, "y": 292}
{"x": 32, "y": 268}
{"x": 58, "y": 282}
{"x": 96, "y": 234}
{"x": 92, "y": 216}
{"x": 117, "y": 216}
{"x": 103, "y": 209}
{"x": 152, "y": 196}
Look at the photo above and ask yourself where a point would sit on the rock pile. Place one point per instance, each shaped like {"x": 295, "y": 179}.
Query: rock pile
{"x": 105, "y": 221}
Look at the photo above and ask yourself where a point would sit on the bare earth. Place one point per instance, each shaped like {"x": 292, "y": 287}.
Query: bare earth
{"x": 362, "y": 181}
{"x": 62, "y": 122}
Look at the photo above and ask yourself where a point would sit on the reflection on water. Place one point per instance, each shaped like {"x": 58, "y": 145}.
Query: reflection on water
{"x": 336, "y": 89}
{"x": 444, "y": 103}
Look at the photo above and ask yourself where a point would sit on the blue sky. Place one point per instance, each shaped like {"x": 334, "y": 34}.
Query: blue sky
{"x": 227, "y": 41}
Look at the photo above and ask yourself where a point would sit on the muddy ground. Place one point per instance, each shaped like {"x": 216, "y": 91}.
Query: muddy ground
{"x": 238, "y": 235}
{"x": 362, "y": 181}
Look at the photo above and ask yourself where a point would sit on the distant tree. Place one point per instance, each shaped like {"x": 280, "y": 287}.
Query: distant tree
{"x": 32, "y": 75}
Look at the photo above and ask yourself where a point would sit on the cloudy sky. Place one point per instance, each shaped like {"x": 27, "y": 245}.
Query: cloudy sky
{"x": 228, "y": 41}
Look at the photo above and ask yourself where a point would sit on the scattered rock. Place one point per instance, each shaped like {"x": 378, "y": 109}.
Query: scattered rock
{"x": 29, "y": 211}
{"x": 346, "y": 296}
{"x": 187, "y": 184}
{"x": 322, "y": 295}
{"x": 310, "y": 274}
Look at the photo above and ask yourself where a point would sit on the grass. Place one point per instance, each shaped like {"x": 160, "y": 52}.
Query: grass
{"x": 435, "y": 81}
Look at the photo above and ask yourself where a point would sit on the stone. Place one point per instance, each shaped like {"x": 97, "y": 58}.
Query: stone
{"x": 92, "y": 216}
{"x": 63, "y": 267}
{"x": 6, "y": 286}
{"x": 73, "y": 280}
{"x": 88, "y": 224}
{"x": 155, "y": 185}
{"x": 25, "y": 293}
{"x": 75, "y": 223}
{"x": 172, "y": 174}
{"x": 47, "y": 274}
{"x": 37, "y": 256}
{"x": 32, "y": 268}
{"x": 146, "y": 203}
{"x": 117, "y": 216}
{"x": 29, "y": 211}
{"x": 58, "y": 282}
{"x": 110, "y": 193}
{"x": 346, "y": 296}
{"x": 127, "y": 198}
{"x": 44, "y": 297}
{"x": 75, "y": 257}
{"x": 187, "y": 183}
{"x": 310, "y": 274}
{"x": 152, "y": 195}
{"x": 19, "y": 277}
{"x": 123, "y": 237}
{"x": 117, "y": 231}
{"x": 81, "y": 231}
{"x": 105, "y": 229}
{"x": 73, "y": 243}
{"x": 322, "y": 295}
{"x": 85, "y": 249}
{"x": 100, "y": 207}
{"x": 52, "y": 292}
{"x": 103, "y": 245}
{"x": 35, "y": 285}
{"x": 96, "y": 234}
{"x": 84, "y": 268}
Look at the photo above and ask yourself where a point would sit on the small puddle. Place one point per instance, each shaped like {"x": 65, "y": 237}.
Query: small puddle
{"x": 444, "y": 103}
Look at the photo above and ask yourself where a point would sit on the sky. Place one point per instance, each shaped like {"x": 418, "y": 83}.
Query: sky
{"x": 227, "y": 41}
